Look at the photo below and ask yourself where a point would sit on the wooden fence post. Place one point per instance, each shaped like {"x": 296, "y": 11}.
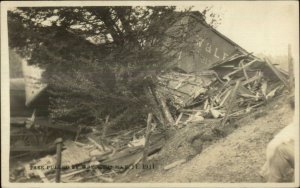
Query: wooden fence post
{"x": 148, "y": 130}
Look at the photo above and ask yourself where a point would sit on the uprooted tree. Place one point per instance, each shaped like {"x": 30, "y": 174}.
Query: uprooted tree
{"x": 99, "y": 61}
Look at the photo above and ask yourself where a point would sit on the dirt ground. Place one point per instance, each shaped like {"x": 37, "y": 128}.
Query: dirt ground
{"x": 235, "y": 158}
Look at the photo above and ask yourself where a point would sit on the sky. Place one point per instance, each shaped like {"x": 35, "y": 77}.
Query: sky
{"x": 259, "y": 26}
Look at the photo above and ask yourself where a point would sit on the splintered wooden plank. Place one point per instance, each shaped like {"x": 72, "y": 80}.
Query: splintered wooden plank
{"x": 101, "y": 147}
{"x": 252, "y": 79}
{"x": 179, "y": 118}
{"x": 162, "y": 102}
{"x": 240, "y": 69}
{"x": 244, "y": 69}
{"x": 174, "y": 164}
{"x": 224, "y": 99}
{"x": 229, "y": 108}
{"x": 182, "y": 88}
{"x": 277, "y": 73}
{"x": 125, "y": 157}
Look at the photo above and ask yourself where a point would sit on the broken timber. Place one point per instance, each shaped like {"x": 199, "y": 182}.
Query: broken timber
{"x": 230, "y": 104}
{"x": 240, "y": 69}
{"x": 154, "y": 106}
{"x": 277, "y": 73}
{"x": 148, "y": 130}
{"x": 164, "y": 107}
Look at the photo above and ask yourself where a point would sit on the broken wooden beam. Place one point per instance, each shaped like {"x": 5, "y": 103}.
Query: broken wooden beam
{"x": 244, "y": 111}
{"x": 78, "y": 133}
{"x": 96, "y": 144}
{"x": 277, "y": 73}
{"x": 224, "y": 99}
{"x": 179, "y": 118}
{"x": 164, "y": 107}
{"x": 79, "y": 143}
{"x": 129, "y": 155}
{"x": 73, "y": 173}
{"x": 106, "y": 124}
{"x": 132, "y": 166}
{"x": 174, "y": 164}
{"x": 244, "y": 69}
{"x": 240, "y": 69}
{"x": 154, "y": 106}
{"x": 104, "y": 130}
{"x": 230, "y": 103}
{"x": 252, "y": 79}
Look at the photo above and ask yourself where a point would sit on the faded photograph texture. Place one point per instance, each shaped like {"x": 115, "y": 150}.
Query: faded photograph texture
{"x": 158, "y": 94}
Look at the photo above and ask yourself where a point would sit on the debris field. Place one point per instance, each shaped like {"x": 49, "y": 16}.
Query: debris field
{"x": 227, "y": 91}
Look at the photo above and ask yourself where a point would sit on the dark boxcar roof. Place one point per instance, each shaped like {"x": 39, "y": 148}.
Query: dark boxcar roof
{"x": 197, "y": 15}
{"x": 204, "y": 45}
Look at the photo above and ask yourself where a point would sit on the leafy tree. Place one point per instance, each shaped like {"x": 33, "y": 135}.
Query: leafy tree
{"x": 98, "y": 60}
{"x": 15, "y": 65}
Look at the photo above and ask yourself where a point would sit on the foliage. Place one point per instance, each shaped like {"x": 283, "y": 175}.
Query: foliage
{"x": 97, "y": 59}
{"x": 15, "y": 65}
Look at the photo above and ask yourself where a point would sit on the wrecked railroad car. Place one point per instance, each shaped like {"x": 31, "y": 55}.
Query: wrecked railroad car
{"x": 203, "y": 45}
{"x": 206, "y": 54}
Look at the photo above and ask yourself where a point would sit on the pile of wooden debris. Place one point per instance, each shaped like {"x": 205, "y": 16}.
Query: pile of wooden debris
{"x": 93, "y": 158}
{"x": 228, "y": 90}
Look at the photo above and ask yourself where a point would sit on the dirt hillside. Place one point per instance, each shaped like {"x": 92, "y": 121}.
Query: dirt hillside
{"x": 235, "y": 158}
